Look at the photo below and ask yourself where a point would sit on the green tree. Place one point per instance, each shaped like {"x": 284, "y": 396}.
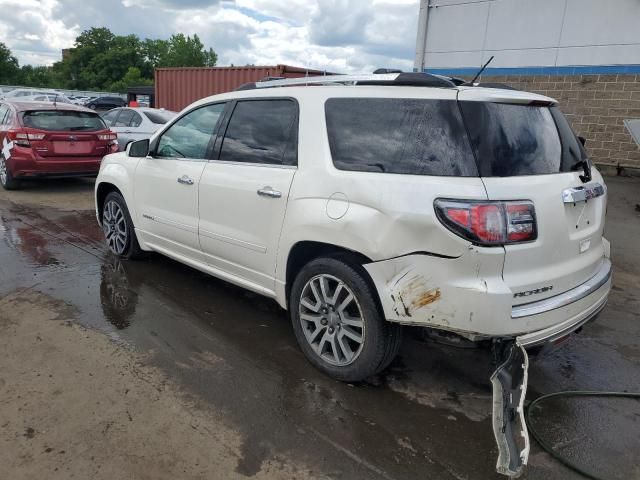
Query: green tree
{"x": 9, "y": 68}
{"x": 133, "y": 78}
{"x": 101, "y": 60}
{"x": 185, "y": 51}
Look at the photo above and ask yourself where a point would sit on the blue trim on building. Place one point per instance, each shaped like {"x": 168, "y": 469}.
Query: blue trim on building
{"x": 568, "y": 70}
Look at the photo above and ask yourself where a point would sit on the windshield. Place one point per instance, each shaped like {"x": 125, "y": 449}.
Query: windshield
{"x": 63, "y": 121}
{"x": 513, "y": 140}
{"x": 160, "y": 117}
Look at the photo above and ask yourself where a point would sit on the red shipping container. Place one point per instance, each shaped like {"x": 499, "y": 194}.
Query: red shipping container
{"x": 178, "y": 87}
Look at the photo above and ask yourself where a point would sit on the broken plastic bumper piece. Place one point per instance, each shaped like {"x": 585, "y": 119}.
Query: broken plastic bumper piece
{"x": 509, "y": 390}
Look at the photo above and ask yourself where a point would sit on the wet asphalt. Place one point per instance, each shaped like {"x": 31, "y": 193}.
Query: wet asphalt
{"x": 427, "y": 416}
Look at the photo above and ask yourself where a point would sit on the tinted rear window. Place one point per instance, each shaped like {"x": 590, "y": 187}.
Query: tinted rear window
{"x": 59, "y": 120}
{"x": 159, "y": 118}
{"x": 396, "y": 135}
{"x": 512, "y": 140}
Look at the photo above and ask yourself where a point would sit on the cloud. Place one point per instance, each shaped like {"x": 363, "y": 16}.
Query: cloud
{"x": 334, "y": 35}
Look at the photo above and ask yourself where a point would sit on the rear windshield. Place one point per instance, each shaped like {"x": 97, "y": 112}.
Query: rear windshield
{"x": 399, "y": 135}
{"x": 159, "y": 118}
{"x": 513, "y": 140}
{"x": 65, "y": 121}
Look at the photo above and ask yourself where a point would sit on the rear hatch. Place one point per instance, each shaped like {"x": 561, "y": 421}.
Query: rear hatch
{"x": 526, "y": 150}
{"x": 67, "y": 133}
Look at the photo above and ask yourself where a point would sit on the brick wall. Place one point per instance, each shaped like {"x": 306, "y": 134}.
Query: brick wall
{"x": 596, "y": 106}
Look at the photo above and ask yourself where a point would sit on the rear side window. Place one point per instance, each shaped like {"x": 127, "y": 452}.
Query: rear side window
{"x": 111, "y": 116}
{"x": 63, "y": 121}
{"x": 262, "y": 131}
{"x": 512, "y": 140}
{"x": 398, "y": 135}
{"x": 124, "y": 119}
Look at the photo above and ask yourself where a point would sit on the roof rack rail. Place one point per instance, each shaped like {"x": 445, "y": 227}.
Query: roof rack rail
{"x": 389, "y": 79}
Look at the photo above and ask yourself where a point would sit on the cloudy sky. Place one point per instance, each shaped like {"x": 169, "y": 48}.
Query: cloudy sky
{"x": 336, "y": 35}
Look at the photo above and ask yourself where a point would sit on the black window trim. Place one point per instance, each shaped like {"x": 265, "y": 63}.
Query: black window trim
{"x": 210, "y": 147}
{"x": 222, "y": 131}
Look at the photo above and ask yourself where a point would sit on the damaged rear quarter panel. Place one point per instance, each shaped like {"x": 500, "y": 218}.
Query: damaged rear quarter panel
{"x": 464, "y": 294}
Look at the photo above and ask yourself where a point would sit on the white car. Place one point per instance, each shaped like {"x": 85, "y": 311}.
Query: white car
{"x": 133, "y": 124}
{"x": 365, "y": 203}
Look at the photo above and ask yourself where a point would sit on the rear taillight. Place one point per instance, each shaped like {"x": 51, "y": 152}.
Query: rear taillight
{"x": 489, "y": 223}
{"x": 23, "y": 138}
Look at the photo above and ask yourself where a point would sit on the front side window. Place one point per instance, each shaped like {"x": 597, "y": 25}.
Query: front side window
{"x": 398, "y": 135}
{"x": 262, "y": 131}
{"x": 189, "y": 137}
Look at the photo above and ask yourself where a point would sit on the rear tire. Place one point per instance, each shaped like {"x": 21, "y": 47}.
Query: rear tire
{"x": 337, "y": 321}
{"x": 118, "y": 228}
{"x": 6, "y": 178}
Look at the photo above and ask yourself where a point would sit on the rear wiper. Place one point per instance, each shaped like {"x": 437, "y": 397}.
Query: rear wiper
{"x": 585, "y": 167}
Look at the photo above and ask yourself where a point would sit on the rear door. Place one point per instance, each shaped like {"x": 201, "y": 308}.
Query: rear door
{"x": 527, "y": 151}
{"x": 166, "y": 182}
{"x": 244, "y": 193}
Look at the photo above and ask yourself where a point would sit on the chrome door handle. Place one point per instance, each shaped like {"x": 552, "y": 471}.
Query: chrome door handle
{"x": 185, "y": 180}
{"x": 269, "y": 192}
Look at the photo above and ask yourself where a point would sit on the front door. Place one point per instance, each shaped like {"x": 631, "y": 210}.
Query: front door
{"x": 166, "y": 183}
{"x": 243, "y": 194}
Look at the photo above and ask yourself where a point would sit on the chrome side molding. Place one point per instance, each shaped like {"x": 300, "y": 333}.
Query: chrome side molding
{"x": 583, "y": 193}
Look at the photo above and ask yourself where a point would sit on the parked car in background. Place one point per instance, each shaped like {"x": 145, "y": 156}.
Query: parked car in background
{"x": 19, "y": 93}
{"x": 43, "y": 140}
{"x": 50, "y": 98}
{"x": 133, "y": 124}
{"x": 105, "y": 103}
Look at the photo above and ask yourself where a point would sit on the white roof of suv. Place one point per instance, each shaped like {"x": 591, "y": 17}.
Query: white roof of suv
{"x": 404, "y": 85}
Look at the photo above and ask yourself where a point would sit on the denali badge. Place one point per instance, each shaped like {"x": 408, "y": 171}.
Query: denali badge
{"x": 533, "y": 292}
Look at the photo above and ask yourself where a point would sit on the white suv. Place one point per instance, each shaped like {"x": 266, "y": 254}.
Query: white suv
{"x": 364, "y": 203}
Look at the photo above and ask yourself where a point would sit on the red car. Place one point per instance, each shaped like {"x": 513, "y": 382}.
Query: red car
{"x": 51, "y": 140}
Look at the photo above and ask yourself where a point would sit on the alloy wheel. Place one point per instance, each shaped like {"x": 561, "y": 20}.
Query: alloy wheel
{"x": 332, "y": 320}
{"x": 114, "y": 226}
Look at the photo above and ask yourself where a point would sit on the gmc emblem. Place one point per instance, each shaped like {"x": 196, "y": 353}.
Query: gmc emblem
{"x": 528, "y": 293}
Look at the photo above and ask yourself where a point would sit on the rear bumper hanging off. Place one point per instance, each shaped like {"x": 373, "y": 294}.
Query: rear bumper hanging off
{"x": 509, "y": 390}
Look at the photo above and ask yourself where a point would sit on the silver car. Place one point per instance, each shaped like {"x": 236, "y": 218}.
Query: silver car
{"x": 133, "y": 124}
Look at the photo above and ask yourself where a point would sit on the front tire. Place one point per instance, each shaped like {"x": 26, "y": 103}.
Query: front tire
{"x": 6, "y": 178}
{"x": 118, "y": 228}
{"x": 337, "y": 321}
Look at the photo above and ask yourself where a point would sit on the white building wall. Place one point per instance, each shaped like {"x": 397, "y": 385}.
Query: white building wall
{"x": 530, "y": 33}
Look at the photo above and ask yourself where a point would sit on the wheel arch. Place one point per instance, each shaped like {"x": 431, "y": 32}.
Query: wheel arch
{"x": 304, "y": 251}
{"x": 102, "y": 190}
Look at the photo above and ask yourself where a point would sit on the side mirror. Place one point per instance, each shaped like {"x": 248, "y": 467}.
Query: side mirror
{"x": 583, "y": 140}
{"x": 138, "y": 149}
